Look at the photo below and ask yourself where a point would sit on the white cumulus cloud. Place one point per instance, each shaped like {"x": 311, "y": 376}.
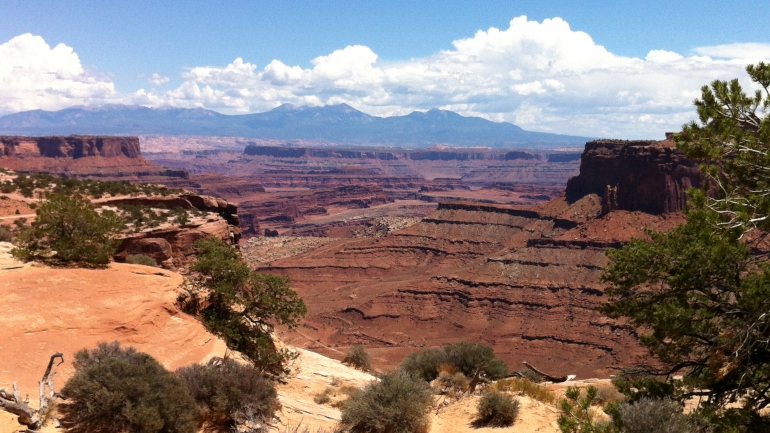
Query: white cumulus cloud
{"x": 157, "y": 79}
{"x": 35, "y": 76}
{"x": 745, "y": 51}
{"x": 541, "y": 76}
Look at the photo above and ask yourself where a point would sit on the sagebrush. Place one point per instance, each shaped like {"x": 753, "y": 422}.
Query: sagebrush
{"x": 497, "y": 409}
{"x": 357, "y": 357}
{"x": 467, "y": 357}
{"x": 141, "y": 259}
{"x": 226, "y": 391}
{"x": 397, "y": 403}
{"x": 117, "y": 390}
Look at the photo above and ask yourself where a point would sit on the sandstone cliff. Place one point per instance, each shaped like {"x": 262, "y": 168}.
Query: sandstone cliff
{"x": 648, "y": 176}
{"x": 109, "y": 157}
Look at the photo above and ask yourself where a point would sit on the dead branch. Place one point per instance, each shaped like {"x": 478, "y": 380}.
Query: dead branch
{"x": 32, "y": 418}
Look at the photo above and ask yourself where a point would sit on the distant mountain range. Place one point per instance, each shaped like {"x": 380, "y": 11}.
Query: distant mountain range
{"x": 340, "y": 124}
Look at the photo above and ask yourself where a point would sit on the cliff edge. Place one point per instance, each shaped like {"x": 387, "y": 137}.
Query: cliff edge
{"x": 648, "y": 176}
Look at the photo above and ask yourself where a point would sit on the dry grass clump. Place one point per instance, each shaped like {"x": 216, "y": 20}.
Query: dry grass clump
{"x": 524, "y": 386}
{"x": 335, "y": 397}
{"x": 305, "y": 429}
{"x": 452, "y": 382}
{"x": 323, "y": 397}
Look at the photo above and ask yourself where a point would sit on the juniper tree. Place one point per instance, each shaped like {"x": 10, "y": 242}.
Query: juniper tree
{"x": 69, "y": 229}
{"x": 700, "y": 294}
{"x": 243, "y": 306}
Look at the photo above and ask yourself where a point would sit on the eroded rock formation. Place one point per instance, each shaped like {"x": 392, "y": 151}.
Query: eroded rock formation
{"x": 523, "y": 279}
{"x": 110, "y": 157}
{"x": 171, "y": 245}
{"x": 649, "y": 176}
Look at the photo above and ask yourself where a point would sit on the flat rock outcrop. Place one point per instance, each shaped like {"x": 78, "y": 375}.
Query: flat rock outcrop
{"x": 49, "y": 310}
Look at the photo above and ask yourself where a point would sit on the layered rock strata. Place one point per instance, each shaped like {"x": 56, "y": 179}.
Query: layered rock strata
{"x": 171, "y": 245}
{"x": 110, "y": 157}
{"x": 523, "y": 279}
{"x": 649, "y": 176}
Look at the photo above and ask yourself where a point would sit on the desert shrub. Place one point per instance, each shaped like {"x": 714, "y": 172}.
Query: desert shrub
{"x": 652, "y": 415}
{"x": 141, "y": 259}
{"x": 466, "y": 357}
{"x": 68, "y": 229}
{"x": 424, "y": 364}
{"x": 5, "y": 235}
{"x": 117, "y": 390}
{"x": 226, "y": 392}
{"x": 397, "y": 403}
{"x": 524, "y": 386}
{"x": 357, "y": 357}
{"x": 497, "y": 409}
{"x": 7, "y": 187}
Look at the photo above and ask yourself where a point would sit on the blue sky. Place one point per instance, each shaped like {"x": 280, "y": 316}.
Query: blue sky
{"x": 600, "y": 68}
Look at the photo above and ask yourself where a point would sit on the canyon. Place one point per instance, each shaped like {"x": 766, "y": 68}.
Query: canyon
{"x": 522, "y": 279}
{"x": 299, "y": 190}
{"x": 425, "y": 247}
{"x": 296, "y": 190}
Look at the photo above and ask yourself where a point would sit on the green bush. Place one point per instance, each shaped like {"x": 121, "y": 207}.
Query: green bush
{"x": 68, "y": 229}
{"x": 229, "y": 394}
{"x": 357, "y": 357}
{"x": 466, "y": 357}
{"x": 117, "y": 390}
{"x": 497, "y": 409}
{"x": 396, "y": 403}
{"x": 652, "y": 415}
{"x": 141, "y": 259}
